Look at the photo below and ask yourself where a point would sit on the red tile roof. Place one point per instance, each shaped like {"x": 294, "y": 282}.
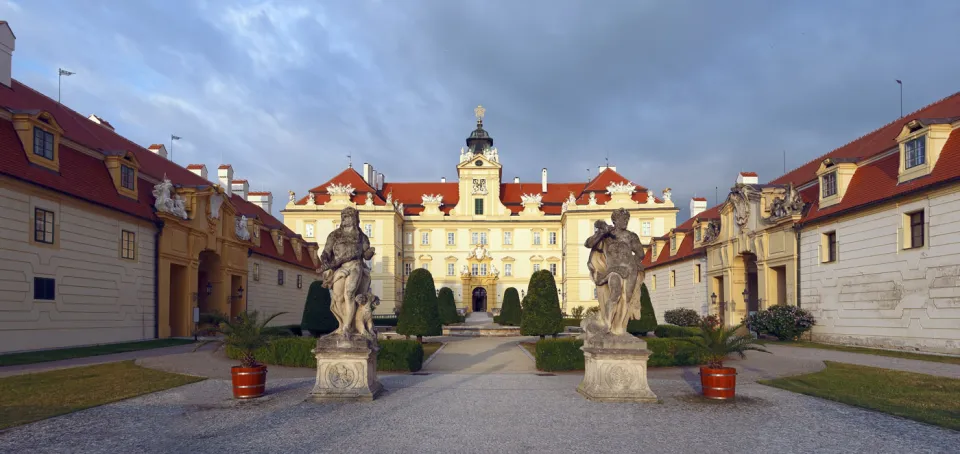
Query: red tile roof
{"x": 195, "y": 166}
{"x": 877, "y": 181}
{"x": 259, "y": 193}
{"x": 80, "y": 176}
{"x": 410, "y": 194}
{"x": 87, "y": 177}
{"x": 225, "y": 166}
{"x": 155, "y": 146}
{"x": 873, "y": 143}
{"x": 700, "y": 199}
{"x": 686, "y": 249}
{"x": 748, "y": 174}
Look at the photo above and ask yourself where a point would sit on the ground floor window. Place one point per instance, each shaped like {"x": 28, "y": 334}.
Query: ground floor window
{"x": 44, "y": 288}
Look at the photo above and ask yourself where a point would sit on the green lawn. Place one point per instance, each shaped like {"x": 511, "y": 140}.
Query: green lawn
{"x": 15, "y": 359}
{"x": 32, "y": 397}
{"x": 531, "y": 347}
{"x": 920, "y": 397}
{"x": 870, "y": 351}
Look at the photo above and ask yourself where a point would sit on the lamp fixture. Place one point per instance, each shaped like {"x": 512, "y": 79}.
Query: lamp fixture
{"x": 713, "y": 298}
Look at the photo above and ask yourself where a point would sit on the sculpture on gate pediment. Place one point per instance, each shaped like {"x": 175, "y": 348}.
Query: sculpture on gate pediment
{"x": 790, "y": 204}
{"x": 740, "y": 198}
{"x": 712, "y": 230}
{"x": 167, "y": 200}
{"x": 216, "y": 200}
{"x": 242, "y": 231}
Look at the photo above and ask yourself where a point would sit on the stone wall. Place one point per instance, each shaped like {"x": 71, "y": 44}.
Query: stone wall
{"x": 99, "y": 297}
{"x": 685, "y": 294}
{"x": 268, "y": 296}
{"x": 879, "y": 294}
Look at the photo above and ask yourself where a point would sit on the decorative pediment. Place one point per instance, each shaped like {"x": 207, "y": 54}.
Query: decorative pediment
{"x": 425, "y": 258}
{"x": 740, "y": 197}
{"x": 451, "y": 258}
{"x": 536, "y": 198}
{"x": 508, "y": 259}
{"x": 471, "y": 160}
{"x": 621, "y": 188}
{"x": 428, "y": 198}
{"x": 297, "y": 249}
{"x": 340, "y": 189}
{"x": 216, "y": 201}
{"x": 536, "y": 258}
{"x": 553, "y": 258}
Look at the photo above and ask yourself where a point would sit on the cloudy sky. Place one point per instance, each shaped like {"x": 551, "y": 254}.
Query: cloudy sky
{"x": 677, "y": 93}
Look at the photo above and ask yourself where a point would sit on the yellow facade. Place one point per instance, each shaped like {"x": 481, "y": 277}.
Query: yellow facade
{"x": 475, "y": 239}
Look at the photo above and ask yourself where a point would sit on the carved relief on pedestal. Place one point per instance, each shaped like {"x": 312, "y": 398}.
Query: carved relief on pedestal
{"x": 341, "y": 376}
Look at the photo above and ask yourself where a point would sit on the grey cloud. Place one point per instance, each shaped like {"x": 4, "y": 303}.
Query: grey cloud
{"x": 681, "y": 94}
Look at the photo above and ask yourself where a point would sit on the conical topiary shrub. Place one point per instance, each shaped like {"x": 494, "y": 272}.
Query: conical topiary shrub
{"x": 419, "y": 315}
{"x": 541, "y": 315}
{"x": 317, "y": 317}
{"x": 447, "y": 307}
{"x": 511, "y": 314}
{"x": 648, "y": 318}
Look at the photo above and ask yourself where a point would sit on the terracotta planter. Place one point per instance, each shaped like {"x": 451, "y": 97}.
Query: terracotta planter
{"x": 249, "y": 382}
{"x": 719, "y": 383}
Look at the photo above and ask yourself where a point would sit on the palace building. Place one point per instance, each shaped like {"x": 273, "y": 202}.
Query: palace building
{"x": 479, "y": 235}
{"x": 866, "y": 237}
{"x": 103, "y": 240}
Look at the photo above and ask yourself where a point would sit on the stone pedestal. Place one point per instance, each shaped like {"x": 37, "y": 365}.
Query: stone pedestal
{"x": 616, "y": 369}
{"x": 346, "y": 370}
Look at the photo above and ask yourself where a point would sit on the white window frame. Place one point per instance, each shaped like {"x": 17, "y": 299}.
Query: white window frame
{"x": 424, "y": 238}
{"x": 552, "y": 238}
{"x": 646, "y": 228}
{"x": 451, "y": 269}
{"x": 368, "y": 229}
{"x": 451, "y": 239}
{"x": 536, "y": 267}
{"x": 508, "y": 269}
{"x": 553, "y": 269}
{"x": 915, "y": 152}
{"x": 308, "y": 230}
{"x": 536, "y": 238}
{"x": 832, "y": 176}
{"x": 409, "y": 238}
{"x": 507, "y": 238}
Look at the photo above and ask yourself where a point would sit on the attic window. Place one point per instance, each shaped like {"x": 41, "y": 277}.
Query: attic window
{"x": 915, "y": 152}
{"x": 127, "y": 177}
{"x": 829, "y": 185}
{"x": 42, "y": 143}
{"x": 478, "y": 163}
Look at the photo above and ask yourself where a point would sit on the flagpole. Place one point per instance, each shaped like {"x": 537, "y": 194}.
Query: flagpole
{"x": 900, "y": 83}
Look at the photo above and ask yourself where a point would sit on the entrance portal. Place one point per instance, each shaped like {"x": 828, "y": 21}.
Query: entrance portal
{"x": 479, "y": 299}
{"x": 753, "y": 298}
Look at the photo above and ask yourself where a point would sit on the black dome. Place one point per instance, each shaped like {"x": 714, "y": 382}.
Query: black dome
{"x": 479, "y": 139}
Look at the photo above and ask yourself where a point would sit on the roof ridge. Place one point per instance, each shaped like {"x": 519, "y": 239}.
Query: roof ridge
{"x": 823, "y": 156}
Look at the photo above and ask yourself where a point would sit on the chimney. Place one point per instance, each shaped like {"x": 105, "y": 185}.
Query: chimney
{"x": 697, "y": 206}
{"x": 380, "y": 181}
{"x": 443, "y": 179}
{"x": 747, "y": 178}
{"x": 225, "y": 175}
{"x": 516, "y": 180}
{"x": 600, "y": 169}
{"x": 199, "y": 169}
{"x": 7, "y": 45}
{"x": 240, "y": 188}
{"x": 368, "y": 173}
{"x": 543, "y": 180}
{"x": 100, "y": 121}
{"x": 263, "y": 200}
{"x": 161, "y": 150}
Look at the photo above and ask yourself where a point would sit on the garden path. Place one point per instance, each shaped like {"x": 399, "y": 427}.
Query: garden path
{"x": 481, "y": 355}
{"x": 883, "y": 362}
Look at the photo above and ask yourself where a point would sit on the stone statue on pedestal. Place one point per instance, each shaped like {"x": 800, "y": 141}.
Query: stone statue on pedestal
{"x": 347, "y": 357}
{"x": 616, "y": 362}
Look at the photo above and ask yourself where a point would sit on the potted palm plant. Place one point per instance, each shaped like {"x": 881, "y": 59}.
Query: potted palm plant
{"x": 714, "y": 343}
{"x": 245, "y": 333}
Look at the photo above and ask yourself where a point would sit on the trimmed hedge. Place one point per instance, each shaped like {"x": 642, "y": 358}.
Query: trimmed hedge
{"x": 400, "y": 355}
{"x": 682, "y": 317}
{"x": 317, "y": 317}
{"x": 395, "y": 354}
{"x": 296, "y": 330}
{"x": 512, "y": 313}
{"x": 447, "y": 307}
{"x": 385, "y": 321}
{"x": 419, "y": 315}
{"x": 565, "y": 354}
{"x": 541, "y": 308}
{"x": 572, "y": 321}
{"x": 675, "y": 331}
{"x": 648, "y": 318}
{"x": 559, "y": 354}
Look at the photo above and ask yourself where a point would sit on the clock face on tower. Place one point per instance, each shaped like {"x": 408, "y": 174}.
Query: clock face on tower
{"x": 479, "y": 186}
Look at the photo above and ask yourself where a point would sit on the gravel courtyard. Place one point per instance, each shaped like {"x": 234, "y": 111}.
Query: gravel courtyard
{"x": 484, "y": 412}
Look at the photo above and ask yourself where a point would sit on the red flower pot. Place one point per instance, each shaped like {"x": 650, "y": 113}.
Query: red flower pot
{"x": 249, "y": 382}
{"x": 719, "y": 383}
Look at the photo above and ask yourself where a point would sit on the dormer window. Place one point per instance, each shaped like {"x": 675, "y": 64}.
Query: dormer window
{"x": 128, "y": 177}
{"x": 696, "y": 234}
{"x": 828, "y": 184}
{"x": 42, "y": 143}
{"x": 915, "y": 152}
